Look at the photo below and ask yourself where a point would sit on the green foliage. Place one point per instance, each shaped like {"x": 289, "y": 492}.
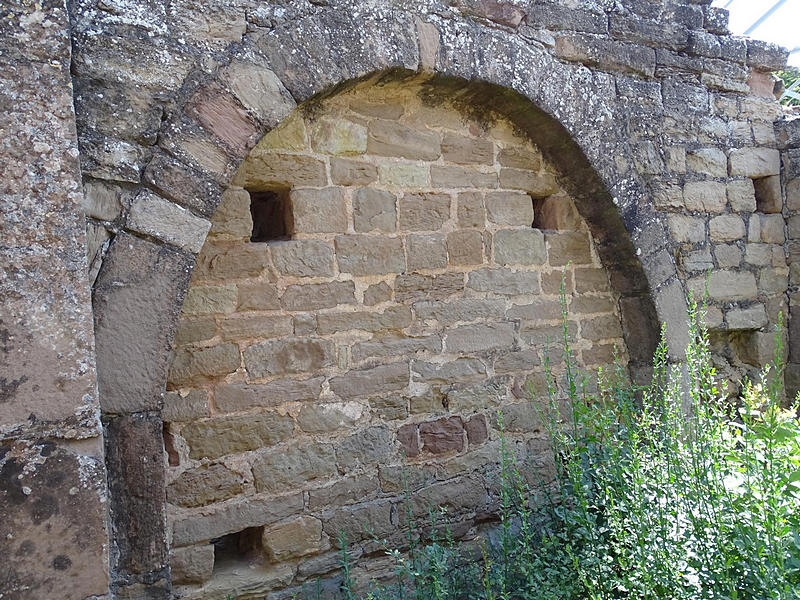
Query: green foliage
{"x": 789, "y": 76}
{"x": 667, "y": 493}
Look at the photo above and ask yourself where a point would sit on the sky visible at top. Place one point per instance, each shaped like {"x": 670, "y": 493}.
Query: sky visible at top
{"x": 781, "y": 27}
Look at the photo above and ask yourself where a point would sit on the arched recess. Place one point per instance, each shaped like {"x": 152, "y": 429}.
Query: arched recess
{"x": 564, "y": 109}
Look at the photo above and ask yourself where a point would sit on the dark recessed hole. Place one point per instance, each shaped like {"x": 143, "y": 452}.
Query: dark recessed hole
{"x": 240, "y": 547}
{"x": 169, "y": 447}
{"x": 272, "y": 216}
{"x": 768, "y": 194}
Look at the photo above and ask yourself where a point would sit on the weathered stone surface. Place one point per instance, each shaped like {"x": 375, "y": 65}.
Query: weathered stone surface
{"x": 209, "y": 299}
{"x": 231, "y": 517}
{"x": 318, "y": 295}
{"x": 426, "y": 252}
{"x": 319, "y": 211}
{"x": 687, "y": 229}
{"x": 374, "y": 210}
{"x": 424, "y": 212}
{"x": 727, "y": 285}
{"x": 395, "y": 345}
{"x": 352, "y": 172}
{"x": 226, "y": 261}
{"x": 773, "y": 229}
{"x": 269, "y": 170}
{"x": 509, "y": 208}
{"x": 249, "y": 326}
{"x": 504, "y": 281}
{"x": 232, "y": 219}
{"x": 365, "y": 447}
{"x": 288, "y": 355}
{"x": 298, "y": 537}
{"x": 480, "y": 337}
{"x": 280, "y": 469}
{"x": 204, "y": 485}
{"x": 600, "y": 328}
{"x": 477, "y": 430}
{"x": 329, "y": 417}
{"x": 606, "y": 54}
{"x": 192, "y": 564}
{"x": 303, "y": 258}
{"x": 389, "y": 138}
{"x": 465, "y": 150}
{"x": 377, "y": 293}
{"x": 369, "y": 255}
{"x": 726, "y": 228}
{"x": 343, "y": 492}
{"x": 240, "y": 396}
{"x": 707, "y": 161}
{"x": 568, "y": 247}
{"x": 754, "y": 162}
{"x": 368, "y": 382}
{"x": 471, "y": 209}
{"x": 752, "y": 317}
{"x": 741, "y": 195}
{"x": 541, "y": 309}
{"x": 705, "y": 196}
{"x": 185, "y": 407}
{"x": 435, "y": 287}
{"x": 519, "y": 247}
{"x": 442, "y": 436}
{"x": 462, "y": 369}
{"x": 212, "y": 438}
{"x": 257, "y": 296}
{"x": 538, "y": 185}
{"x": 189, "y": 364}
{"x": 338, "y": 137}
{"x": 460, "y": 309}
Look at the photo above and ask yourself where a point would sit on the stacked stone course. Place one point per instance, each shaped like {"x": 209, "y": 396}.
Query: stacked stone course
{"x": 414, "y": 300}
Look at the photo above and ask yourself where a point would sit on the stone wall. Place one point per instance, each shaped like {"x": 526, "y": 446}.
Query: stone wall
{"x": 417, "y": 296}
{"x": 788, "y": 133}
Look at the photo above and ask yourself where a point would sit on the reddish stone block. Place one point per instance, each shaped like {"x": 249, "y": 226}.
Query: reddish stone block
{"x": 407, "y": 436}
{"x": 442, "y": 435}
{"x": 477, "y": 431}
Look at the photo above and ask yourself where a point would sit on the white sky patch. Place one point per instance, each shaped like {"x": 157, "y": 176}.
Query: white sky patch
{"x": 781, "y": 27}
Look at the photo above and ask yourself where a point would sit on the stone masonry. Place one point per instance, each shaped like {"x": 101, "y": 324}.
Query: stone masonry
{"x": 417, "y": 297}
{"x": 667, "y": 156}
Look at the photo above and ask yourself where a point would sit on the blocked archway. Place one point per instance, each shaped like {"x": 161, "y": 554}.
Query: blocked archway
{"x": 141, "y": 285}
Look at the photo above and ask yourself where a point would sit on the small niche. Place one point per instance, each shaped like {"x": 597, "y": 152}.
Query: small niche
{"x": 272, "y": 216}
{"x": 768, "y": 194}
{"x": 555, "y": 213}
{"x": 242, "y": 547}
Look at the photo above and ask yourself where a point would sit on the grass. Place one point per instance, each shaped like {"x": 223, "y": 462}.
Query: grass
{"x": 671, "y": 492}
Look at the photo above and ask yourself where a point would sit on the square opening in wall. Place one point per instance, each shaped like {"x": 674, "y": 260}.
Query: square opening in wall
{"x": 768, "y": 194}
{"x": 272, "y": 216}
{"x": 242, "y": 547}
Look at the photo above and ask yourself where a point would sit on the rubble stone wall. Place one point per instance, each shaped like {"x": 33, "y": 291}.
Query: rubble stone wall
{"x": 418, "y": 296}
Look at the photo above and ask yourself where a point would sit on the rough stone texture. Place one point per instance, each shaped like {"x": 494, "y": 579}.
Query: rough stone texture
{"x": 171, "y": 99}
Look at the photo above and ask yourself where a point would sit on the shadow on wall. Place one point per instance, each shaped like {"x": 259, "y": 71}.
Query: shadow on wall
{"x": 380, "y": 278}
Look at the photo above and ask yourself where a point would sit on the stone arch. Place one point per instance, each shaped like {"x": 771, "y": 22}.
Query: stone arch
{"x": 145, "y": 274}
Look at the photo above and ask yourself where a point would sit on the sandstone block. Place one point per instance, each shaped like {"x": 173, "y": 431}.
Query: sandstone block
{"x": 390, "y": 138}
{"x": 403, "y": 175}
{"x": 705, "y": 196}
{"x": 369, "y": 382}
{"x": 377, "y": 293}
{"x": 459, "y": 309}
{"x": 442, "y": 436}
{"x": 232, "y": 219}
{"x": 601, "y": 328}
{"x": 434, "y": 287}
{"x": 568, "y": 247}
{"x": 264, "y": 171}
{"x": 480, "y": 337}
{"x": 471, "y": 210}
{"x": 328, "y": 417}
{"x": 234, "y": 516}
{"x": 463, "y": 370}
{"x": 153, "y": 215}
{"x": 226, "y": 261}
{"x": 369, "y": 255}
{"x": 476, "y": 429}
{"x": 426, "y": 252}
{"x": 192, "y": 564}
{"x": 466, "y": 150}
{"x": 204, "y": 485}
{"x": 255, "y": 326}
{"x": 582, "y": 305}
{"x": 365, "y": 447}
{"x": 185, "y": 407}
{"x": 599, "y": 354}
{"x": 352, "y": 172}
{"x": 318, "y": 295}
{"x": 343, "y": 492}
{"x": 698, "y": 260}
{"x": 707, "y": 161}
{"x": 768, "y": 194}
{"x": 758, "y": 254}
{"x": 726, "y": 228}
{"x": 509, "y": 209}
{"x": 727, "y": 286}
{"x": 257, "y": 295}
{"x": 504, "y": 281}
{"x": 752, "y": 317}
{"x": 541, "y": 309}
{"x": 279, "y": 469}
{"x": 393, "y": 317}
{"x": 355, "y": 521}
{"x": 514, "y": 362}
{"x": 754, "y": 162}
{"x": 462, "y": 177}
{"x": 538, "y": 185}
{"x": 772, "y": 229}
{"x": 685, "y": 229}
{"x": 298, "y": 537}
{"x": 190, "y": 365}
{"x": 290, "y": 134}
{"x": 379, "y": 110}
{"x": 424, "y": 212}
{"x": 212, "y": 438}
{"x": 234, "y": 397}
{"x": 319, "y": 211}
{"x": 520, "y": 157}
{"x": 390, "y": 407}
{"x": 395, "y": 345}
{"x": 288, "y": 355}
{"x": 519, "y": 247}
{"x": 374, "y": 210}
{"x": 591, "y": 280}
{"x": 195, "y": 330}
{"x": 465, "y": 248}
{"x": 338, "y": 137}
{"x": 303, "y": 258}
{"x": 408, "y": 436}
{"x": 742, "y": 195}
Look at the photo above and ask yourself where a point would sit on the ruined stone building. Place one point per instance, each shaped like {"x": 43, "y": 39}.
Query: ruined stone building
{"x": 266, "y": 264}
